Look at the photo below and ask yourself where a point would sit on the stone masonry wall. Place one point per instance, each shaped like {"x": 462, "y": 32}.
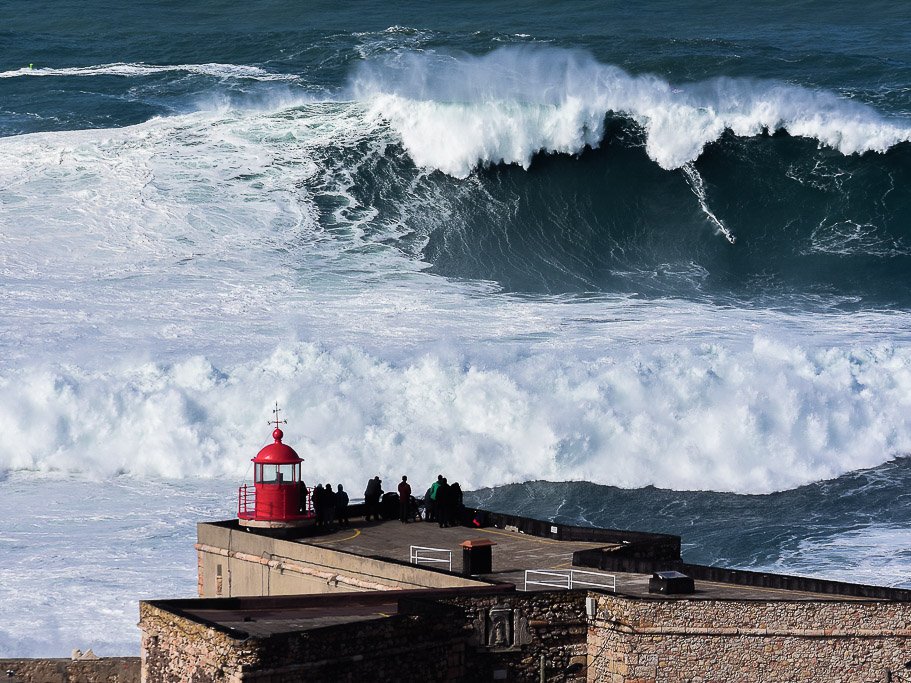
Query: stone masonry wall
{"x": 104, "y": 670}
{"x": 508, "y": 634}
{"x": 708, "y": 641}
{"x": 176, "y": 649}
{"x": 179, "y": 649}
{"x": 458, "y": 638}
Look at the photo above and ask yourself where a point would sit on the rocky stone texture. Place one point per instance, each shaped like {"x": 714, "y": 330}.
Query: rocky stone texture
{"x": 511, "y": 636}
{"x": 103, "y": 670}
{"x": 518, "y": 634}
{"x": 704, "y": 641}
{"x": 459, "y": 639}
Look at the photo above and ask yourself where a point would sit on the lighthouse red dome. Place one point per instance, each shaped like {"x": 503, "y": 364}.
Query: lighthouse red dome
{"x": 277, "y": 453}
{"x": 279, "y": 498}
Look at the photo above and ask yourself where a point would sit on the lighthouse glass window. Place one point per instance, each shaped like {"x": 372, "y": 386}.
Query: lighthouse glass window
{"x": 278, "y": 474}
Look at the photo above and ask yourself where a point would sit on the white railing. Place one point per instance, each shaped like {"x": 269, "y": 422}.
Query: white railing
{"x": 554, "y": 579}
{"x": 422, "y": 555}
{"x": 577, "y": 577}
{"x": 568, "y": 579}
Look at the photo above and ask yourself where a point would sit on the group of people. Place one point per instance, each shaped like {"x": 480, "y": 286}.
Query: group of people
{"x": 329, "y": 506}
{"x": 442, "y": 503}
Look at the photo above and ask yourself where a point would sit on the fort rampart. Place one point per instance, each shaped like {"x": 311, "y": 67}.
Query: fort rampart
{"x": 671, "y": 641}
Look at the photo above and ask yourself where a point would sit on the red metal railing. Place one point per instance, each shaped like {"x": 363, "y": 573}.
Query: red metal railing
{"x": 246, "y": 503}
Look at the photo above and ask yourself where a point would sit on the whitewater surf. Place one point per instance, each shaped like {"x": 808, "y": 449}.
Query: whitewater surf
{"x": 619, "y": 269}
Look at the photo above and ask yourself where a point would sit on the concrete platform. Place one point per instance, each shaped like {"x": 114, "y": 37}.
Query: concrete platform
{"x": 267, "y": 616}
{"x": 515, "y": 552}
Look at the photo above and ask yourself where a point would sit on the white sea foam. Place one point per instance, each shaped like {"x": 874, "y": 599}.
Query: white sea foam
{"x": 80, "y": 555}
{"x": 131, "y": 70}
{"x": 876, "y": 554}
{"x": 768, "y": 417}
{"x": 697, "y": 185}
{"x": 455, "y": 112}
{"x": 203, "y": 259}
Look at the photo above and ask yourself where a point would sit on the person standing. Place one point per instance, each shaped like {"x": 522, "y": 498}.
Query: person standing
{"x": 318, "y": 509}
{"x": 341, "y": 506}
{"x": 302, "y": 492}
{"x": 372, "y": 495}
{"x": 431, "y": 499}
{"x": 456, "y": 504}
{"x": 329, "y": 505}
{"x": 442, "y": 503}
{"x": 404, "y": 500}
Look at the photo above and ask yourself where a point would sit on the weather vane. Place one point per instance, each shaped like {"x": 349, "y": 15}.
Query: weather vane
{"x": 275, "y": 420}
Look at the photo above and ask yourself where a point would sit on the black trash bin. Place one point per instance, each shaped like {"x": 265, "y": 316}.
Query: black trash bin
{"x": 669, "y": 583}
{"x": 477, "y": 556}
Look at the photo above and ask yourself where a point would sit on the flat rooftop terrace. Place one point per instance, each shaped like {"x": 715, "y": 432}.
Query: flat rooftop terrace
{"x": 266, "y": 616}
{"x": 516, "y": 552}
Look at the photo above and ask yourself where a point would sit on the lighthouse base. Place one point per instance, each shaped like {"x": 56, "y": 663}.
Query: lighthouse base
{"x": 275, "y": 524}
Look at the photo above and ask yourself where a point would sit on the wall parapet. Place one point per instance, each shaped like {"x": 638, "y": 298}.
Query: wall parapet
{"x": 619, "y": 561}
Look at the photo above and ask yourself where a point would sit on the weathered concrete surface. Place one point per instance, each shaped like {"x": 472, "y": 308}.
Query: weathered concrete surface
{"x": 374, "y": 556}
{"x": 237, "y": 562}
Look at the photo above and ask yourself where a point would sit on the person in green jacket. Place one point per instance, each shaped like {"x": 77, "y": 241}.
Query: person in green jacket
{"x": 431, "y": 501}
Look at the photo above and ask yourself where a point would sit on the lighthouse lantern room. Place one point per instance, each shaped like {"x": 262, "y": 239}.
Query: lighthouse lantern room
{"x": 279, "y": 497}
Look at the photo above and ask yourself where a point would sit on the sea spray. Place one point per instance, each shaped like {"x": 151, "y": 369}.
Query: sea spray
{"x": 772, "y": 417}
{"x": 456, "y": 111}
{"x": 134, "y": 70}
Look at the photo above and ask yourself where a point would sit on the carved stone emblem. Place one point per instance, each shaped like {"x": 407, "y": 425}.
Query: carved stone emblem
{"x": 499, "y": 630}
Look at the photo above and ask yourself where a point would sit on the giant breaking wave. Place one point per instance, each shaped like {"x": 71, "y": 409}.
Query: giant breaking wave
{"x": 457, "y": 111}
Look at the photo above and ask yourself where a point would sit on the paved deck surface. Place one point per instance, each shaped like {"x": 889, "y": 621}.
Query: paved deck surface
{"x": 264, "y": 620}
{"x": 514, "y": 553}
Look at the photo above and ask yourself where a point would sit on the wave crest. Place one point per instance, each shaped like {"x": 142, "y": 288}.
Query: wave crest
{"x": 126, "y": 69}
{"x": 455, "y": 112}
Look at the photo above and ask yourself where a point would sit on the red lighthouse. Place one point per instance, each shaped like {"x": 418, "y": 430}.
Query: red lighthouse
{"x": 279, "y": 498}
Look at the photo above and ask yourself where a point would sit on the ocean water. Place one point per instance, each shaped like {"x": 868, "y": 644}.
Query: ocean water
{"x": 632, "y": 266}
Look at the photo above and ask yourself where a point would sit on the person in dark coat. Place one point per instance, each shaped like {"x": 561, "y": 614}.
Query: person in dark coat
{"x": 372, "y": 495}
{"x": 318, "y": 508}
{"x": 341, "y": 506}
{"x": 443, "y": 503}
{"x": 455, "y": 495}
{"x": 404, "y": 500}
{"x": 430, "y": 499}
{"x": 329, "y": 505}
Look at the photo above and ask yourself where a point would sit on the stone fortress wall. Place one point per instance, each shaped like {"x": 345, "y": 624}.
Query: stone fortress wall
{"x": 677, "y": 641}
{"x": 495, "y": 634}
{"x": 572, "y": 635}
{"x": 59, "y": 670}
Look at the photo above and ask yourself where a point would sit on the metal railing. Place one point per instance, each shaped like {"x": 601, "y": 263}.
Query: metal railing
{"x": 246, "y": 502}
{"x": 568, "y": 579}
{"x": 422, "y": 555}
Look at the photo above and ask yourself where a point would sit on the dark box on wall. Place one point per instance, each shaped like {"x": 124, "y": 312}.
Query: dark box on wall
{"x": 668, "y": 583}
